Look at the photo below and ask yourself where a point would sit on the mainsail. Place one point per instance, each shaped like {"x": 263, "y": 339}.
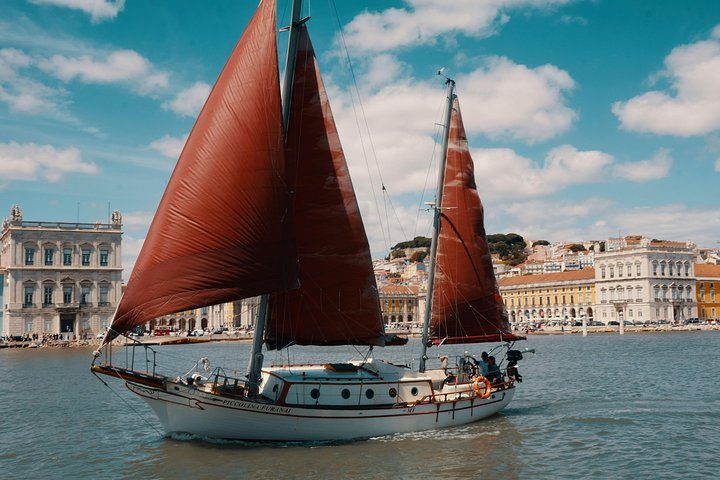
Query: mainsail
{"x": 338, "y": 301}
{"x": 466, "y": 303}
{"x": 222, "y": 229}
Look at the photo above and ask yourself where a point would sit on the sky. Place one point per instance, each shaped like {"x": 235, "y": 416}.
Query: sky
{"x": 586, "y": 119}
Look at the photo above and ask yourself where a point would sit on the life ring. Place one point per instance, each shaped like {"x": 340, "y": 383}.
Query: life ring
{"x": 476, "y": 386}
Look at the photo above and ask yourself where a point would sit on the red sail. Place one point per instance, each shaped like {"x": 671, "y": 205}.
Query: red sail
{"x": 338, "y": 302}
{"x": 219, "y": 233}
{"x": 466, "y": 304}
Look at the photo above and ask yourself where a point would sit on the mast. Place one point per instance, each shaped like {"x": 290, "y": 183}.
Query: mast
{"x": 256, "y": 356}
{"x": 437, "y": 212}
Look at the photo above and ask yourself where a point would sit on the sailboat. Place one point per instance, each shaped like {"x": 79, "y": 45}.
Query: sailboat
{"x": 261, "y": 203}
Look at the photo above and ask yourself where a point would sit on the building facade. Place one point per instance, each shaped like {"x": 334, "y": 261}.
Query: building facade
{"x": 400, "y": 304}
{"x": 562, "y": 296}
{"x": 642, "y": 280}
{"x": 707, "y": 278}
{"x": 62, "y": 278}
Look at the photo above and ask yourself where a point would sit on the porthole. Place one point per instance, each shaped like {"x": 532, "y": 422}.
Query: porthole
{"x": 392, "y": 393}
{"x": 369, "y": 393}
{"x": 345, "y": 393}
{"x": 414, "y": 391}
{"x": 315, "y": 393}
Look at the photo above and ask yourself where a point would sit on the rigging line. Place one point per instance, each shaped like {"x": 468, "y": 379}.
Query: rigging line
{"x": 129, "y": 405}
{"x": 357, "y": 123}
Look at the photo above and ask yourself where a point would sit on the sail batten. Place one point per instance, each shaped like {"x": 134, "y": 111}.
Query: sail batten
{"x": 466, "y": 303}
{"x": 221, "y": 231}
{"x": 337, "y": 303}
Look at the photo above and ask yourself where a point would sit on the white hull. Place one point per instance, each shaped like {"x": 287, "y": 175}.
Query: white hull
{"x": 189, "y": 410}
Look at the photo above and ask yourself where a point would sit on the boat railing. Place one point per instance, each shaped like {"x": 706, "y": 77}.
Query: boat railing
{"x": 138, "y": 357}
{"x": 437, "y": 397}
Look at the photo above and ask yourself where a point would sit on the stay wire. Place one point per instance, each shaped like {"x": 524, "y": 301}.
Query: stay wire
{"x": 129, "y": 405}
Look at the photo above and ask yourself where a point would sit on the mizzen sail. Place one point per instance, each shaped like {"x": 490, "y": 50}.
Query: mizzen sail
{"x": 338, "y": 302}
{"x": 221, "y": 231}
{"x": 466, "y": 303}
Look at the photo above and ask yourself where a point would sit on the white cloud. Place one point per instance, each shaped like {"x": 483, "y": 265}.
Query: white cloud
{"x": 120, "y": 66}
{"x": 425, "y": 21}
{"x": 560, "y": 220}
{"x": 506, "y": 99}
{"x": 131, "y": 247}
{"x": 502, "y": 173}
{"x": 98, "y": 10}
{"x": 168, "y": 146}
{"x": 29, "y": 161}
{"x": 190, "y": 101}
{"x": 717, "y": 165}
{"x": 692, "y": 104}
{"x": 654, "y": 168}
{"x": 25, "y": 95}
{"x": 137, "y": 220}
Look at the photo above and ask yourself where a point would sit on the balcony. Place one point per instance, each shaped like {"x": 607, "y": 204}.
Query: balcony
{"x": 28, "y": 305}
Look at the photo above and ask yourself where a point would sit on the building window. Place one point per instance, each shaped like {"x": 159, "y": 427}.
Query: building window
{"x": 638, "y": 293}
{"x": 28, "y": 298}
{"x": 29, "y": 256}
{"x": 630, "y": 313}
{"x": 603, "y": 294}
{"x": 657, "y": 294}
{"x": 104, "y": 254}
{"x": 687, "y": 269}
{"x": 612, "y": 272}
{"x": 67, "y": 294}
{"x": 104, "y": 294}
{"x": 49, "y": 254}
{"x": 86, "y": 258}
{"x": 662, "y": 268}
{"x": 84, "y": 295}
{"x": 47, "y": 296}
{"x": 637, "y": 269}
{"x": 671, "y": 269}
{"x": 28, "y": 325}
{"x": 67, "y": 256}
{"x": 620, "y": 270}
{"x": 48, "y": 326}
{"x": 639, "y": 313}
{"x": 602, "y": 271}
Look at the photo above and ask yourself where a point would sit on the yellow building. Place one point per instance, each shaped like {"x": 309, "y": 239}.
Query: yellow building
{"x": 707, "y": 277}
{"x": 561, "y": 296}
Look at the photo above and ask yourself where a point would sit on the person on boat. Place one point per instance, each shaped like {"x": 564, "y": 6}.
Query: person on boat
{"x": 482, "y": 364}
{"x": 512, "y": 371}
{"x": 493, "y": 373}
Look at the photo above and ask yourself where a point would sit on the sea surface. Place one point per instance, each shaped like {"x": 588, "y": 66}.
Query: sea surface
{"x": 603, "y": 406}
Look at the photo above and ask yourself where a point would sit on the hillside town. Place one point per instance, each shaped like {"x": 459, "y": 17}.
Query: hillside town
{"x": 63, "y": 281}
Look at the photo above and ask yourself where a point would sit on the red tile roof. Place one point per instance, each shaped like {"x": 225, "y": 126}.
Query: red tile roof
{"x": 705, "y": 270}
{"x": 584, "y": 274}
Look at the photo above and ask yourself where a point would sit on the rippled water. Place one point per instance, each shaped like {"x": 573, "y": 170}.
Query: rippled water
{"x": 604, "y": 406}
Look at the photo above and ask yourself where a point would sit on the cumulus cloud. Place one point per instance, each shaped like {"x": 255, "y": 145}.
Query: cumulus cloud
{"x": 131, "y": 247}
{"x": 137, "y": 220}
{"x": 654, "y": 168}
{"x": 98, "y": 10}
{"x": 425, "y": 21}
{"x": 29, "y": 161}
{"x": 717, "y": 165}
{"x": 120, "y": 66}
{"x": 691, "y": 106}
{"x": 502, "y": 173}
{"x": 24, "y": 94}
{"x": 189, "y": 102}
{"x": 169, "y": 146}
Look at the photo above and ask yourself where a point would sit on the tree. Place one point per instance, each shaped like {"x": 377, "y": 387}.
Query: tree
{"x": 398, "y": 254}
{"x": 416, "y": 242}
{"x": 540, "y": 242}
{"x": 418, "y": 256}
{"x": 576, "y": 247}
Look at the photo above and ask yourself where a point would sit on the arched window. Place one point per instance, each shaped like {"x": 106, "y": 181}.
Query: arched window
{"x": 662, "y": 268}
{"x": 620, "y": 270}
{"x": 638, "y": 293}
{"x": 603, "y": 295}
{"x": 602, "y": 271}
{"x": 637, "y": 269}
{"x": 629, "y": 269}
{"x": 671, "y": 268}
{"x": 612, "y": 271}
{"x": 657, "y": 293}
{"x": 655, "y": 268}
{"x": 687, "y": 269}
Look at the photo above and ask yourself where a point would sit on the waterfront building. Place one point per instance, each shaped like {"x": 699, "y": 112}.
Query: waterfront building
{"x": 638, "y": 279}
{"x": 707, "y": 278}
{"x": 61, "y": 277}
{"x": 400, "y": 303}
{"x": 3, "y": 276}
{"x": 560, "y": 296}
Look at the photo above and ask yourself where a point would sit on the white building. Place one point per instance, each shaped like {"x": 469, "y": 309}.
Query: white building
{"x": 642, "y": 280}
{"x": 60, "y": 277}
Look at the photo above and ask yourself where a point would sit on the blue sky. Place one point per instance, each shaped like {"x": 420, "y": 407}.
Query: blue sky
{"x": 586, "y": 118}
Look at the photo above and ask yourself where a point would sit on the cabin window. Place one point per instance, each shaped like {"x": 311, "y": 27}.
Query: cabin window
{"x": 392, "y": 392}
{"x": 414, "y": 391}
{"x": 315, "y": 393}
{"x": 345, "y": 393}
{"x": 369, "y": 393}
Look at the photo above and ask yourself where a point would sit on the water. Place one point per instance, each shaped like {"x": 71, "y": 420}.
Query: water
{"x": 604, "y": 406}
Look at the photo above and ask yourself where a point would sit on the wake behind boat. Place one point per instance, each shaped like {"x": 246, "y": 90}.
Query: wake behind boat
{"x": 261, "y": 203}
